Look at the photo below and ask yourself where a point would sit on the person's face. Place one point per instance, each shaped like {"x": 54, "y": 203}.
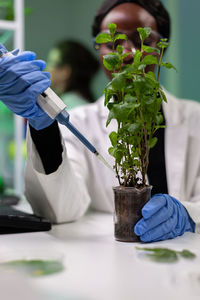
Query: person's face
{"x": 60, "y": 74}
{"x": 128, "y": 17}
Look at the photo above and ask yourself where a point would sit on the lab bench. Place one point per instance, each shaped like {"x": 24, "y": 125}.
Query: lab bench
{"x": 99, "y": 268}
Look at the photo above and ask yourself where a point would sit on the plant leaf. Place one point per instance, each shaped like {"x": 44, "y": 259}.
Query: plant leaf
{"x": 120, "y": 36}
{"x": 167, "y": 255}
{"x": 137, "y": 57}
{"x": 161, "y": 254}
{"x": 109, "y": 92}
{"x": 119, "y": 81}
{"x": 144, "y": 32}
{"x": 159, "y": 119}
{"x": 141, "y": 67}
{"x": 34, "y": 267}
{"x": 152, "y": 142}
{"x": 163, "y": 44}
{"x": 126, "y": 54}
{"x": 149, "y": 49}
{"x": 150, "y": 60}
{"x": 162, "y": 95}
{"x": 119, "y": 49}
{"x": 116, "y": 153}
{"x": 103, "y": 38}
{"x": 111, "y": 61}
{"x": 187, "y": 254}
{"x": 152, "y": 77}
{"x": 113, "y": 138}
{"x": 131, "y": 99}
{"x": 111, "y": 116}
{"x": 112, "y": 28}
{"x": 168, "y": 65}
{"x": 121, "y": 111}
{"x": 134, "y": 127}
{"x": 149, "y": 100}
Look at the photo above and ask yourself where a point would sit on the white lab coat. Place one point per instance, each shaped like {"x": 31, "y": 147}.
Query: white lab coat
{"x": 82, "y": 180}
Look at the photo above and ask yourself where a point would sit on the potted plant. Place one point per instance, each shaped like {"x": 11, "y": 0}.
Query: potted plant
{"x": 133, "y": 98}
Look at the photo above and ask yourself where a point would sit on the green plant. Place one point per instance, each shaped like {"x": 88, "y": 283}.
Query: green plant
{"x": 7, "y": 13}
{"x": 7, "y": 7}
{"x": 134, "y": 98}
{"x": 167, "y": 255}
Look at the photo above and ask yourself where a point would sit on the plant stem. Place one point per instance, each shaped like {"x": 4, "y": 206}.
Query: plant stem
{"x": 117, "y": 172}
{"x": 159, "y": 65}
{"x": 144, "y": 154}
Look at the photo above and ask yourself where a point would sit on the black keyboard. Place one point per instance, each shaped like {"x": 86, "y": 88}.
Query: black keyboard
{"x": 16, "y": 221}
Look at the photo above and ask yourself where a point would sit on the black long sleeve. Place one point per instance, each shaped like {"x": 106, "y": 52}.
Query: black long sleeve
{"x": 157, "y": 170}
{"x": 48, "y": 144}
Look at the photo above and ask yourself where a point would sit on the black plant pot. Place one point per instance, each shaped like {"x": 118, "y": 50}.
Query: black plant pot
{"x": 128, "y": 204}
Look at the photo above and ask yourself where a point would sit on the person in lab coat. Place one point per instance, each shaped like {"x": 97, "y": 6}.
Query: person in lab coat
{"x": 62, "y": 178}
{"x": 72, "y": 67}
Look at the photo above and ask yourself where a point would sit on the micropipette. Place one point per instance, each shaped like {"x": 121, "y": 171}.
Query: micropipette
{"x": 55, "y": 108}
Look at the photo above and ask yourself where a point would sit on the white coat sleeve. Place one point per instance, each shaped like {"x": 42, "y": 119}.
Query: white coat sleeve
{"x": 193, "y": 205}
{"x": 61, "y": 196}
{"x": 192, "y": 165}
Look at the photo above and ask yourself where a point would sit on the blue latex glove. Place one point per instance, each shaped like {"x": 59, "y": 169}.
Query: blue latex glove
{"x": 164, "y": 218}
{"x": 21, "y": 81}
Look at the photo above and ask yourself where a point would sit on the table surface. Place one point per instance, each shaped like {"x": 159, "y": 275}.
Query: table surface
{"x": 99, "y": 268}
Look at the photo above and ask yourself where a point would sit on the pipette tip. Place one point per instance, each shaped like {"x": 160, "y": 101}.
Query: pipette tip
{"x": 101, "y": 158}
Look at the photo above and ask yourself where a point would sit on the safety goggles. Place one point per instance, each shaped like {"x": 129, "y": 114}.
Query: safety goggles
{"x": 133, "y": 42}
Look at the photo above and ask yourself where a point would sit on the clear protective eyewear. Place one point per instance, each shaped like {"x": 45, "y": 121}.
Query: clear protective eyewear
{"x": 133, "y": 43}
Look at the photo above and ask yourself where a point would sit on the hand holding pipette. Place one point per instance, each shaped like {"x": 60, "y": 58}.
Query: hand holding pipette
{"x": 25, "y": 91}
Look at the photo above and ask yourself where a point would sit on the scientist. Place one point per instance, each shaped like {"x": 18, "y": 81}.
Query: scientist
{"x": 72, "y": 67}
{"x": 62, "y": 178}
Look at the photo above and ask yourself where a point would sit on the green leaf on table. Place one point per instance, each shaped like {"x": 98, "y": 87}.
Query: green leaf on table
{"x": 167, "y": 255}
{"x": 161, "y": 254}
{"x": 33, "y": 267}
{"x": 187, "y": 254}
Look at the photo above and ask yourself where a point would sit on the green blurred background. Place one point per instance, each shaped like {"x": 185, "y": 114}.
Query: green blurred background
{"x": 52, "y": 21}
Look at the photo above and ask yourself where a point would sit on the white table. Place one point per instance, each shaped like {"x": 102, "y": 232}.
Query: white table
{"x": 99, "y": 268}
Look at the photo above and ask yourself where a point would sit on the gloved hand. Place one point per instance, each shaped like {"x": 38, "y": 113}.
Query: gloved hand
{"x": 164, "y": 218}
{"x": 21, "y": 81}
